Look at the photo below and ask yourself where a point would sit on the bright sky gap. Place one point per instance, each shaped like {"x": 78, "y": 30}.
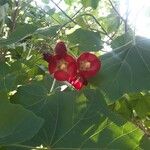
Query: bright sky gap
{"x": 139, "y": 16}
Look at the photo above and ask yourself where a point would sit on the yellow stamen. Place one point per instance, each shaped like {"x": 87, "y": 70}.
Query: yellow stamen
{"x": 62, "y": 65}
{"x": 84, "y": 65}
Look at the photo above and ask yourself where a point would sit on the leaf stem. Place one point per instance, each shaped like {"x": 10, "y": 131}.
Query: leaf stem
{"x": 53, "y": 84}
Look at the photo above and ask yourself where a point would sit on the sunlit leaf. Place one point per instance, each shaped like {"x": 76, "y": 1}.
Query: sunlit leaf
{"x": 21, "y": 32}
{"x": 50, "y": 31}
{"x": 69, "y": 2}
{"x": 86, "y": 40}
{"x": 90, "y": 3}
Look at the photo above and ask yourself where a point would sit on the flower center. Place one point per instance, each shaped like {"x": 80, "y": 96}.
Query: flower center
{"x": 62, "y": 65}
{"x": 84, "y": 65}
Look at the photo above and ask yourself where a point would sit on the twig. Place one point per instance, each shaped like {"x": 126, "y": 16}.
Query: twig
{"x": 116, "y": 11}
{"x": 105, "y": 32}
{"x": 47, "y": 13}
{"x": 126, "y": 18}
{"x": 14, "y": 15}
{"x": 63, "y": 11}
{"x": 68, "y": 21}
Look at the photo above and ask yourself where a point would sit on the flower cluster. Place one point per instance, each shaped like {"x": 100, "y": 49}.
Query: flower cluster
{"x": 75, "y": 71}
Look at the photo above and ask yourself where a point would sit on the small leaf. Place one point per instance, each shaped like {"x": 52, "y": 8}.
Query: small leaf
{"x": 111, "y": 22}
{"x": 45, "y": 1}
{"x": 49, "y": 31}
{"x": 86, "y": 40}
{"x": 103, "y": 107}
{"x": 21, "y": 32}
{"x": 90, "y": 3}
{"x": 134, "y": 101}
{"x": 69, "y": 2}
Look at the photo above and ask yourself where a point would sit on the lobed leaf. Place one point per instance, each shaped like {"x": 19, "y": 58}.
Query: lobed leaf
{"x": 17, "y": 124}
{"x": 125, "y": 70}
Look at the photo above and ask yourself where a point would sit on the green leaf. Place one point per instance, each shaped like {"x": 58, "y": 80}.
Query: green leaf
{"x": 125, "y": 70}
{"x": 121, "y": 40}
{"x": 2, "y": 2}
{"x": 45, "y": 1}
{"x": 90, "y": 3}
{"x": 50, "y": 31}
{"x": 81, "y": 22}
{"x": 36, "y": 93}
{"x": 86, "y": 40}
{"x": 70, "y": 116}
{"x": 138, "y": 102}
{"x": 69, "y": 2}
{"x": 111, "y": 22}
{"x": 7, "y": 78}
{"x": 145, "y": 143}
{"x": 17, "y": 124}
{"x": 123, "y": 108}
{"x": 21, "y": 32}
{"x": 103, "y": 108}
{"x": 10, "y": 77}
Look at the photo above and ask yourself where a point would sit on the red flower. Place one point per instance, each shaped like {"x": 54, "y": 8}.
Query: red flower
{"x": 60, "y": 48}
{"x": 88, "y": 65}
{"x": 63, "y": 67}
{"x": 78, "y": 82}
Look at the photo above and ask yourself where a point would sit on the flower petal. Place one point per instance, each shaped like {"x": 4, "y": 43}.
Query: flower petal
{"x": 60, "y": 48}
{"x": 68, "y": 58}
{"x": 52, "y": 66}
{"x": 47, "y": 57}
{"x": 72, "y": 69}
{"x": 61, "y": 75}
{"x": 78, "y": 82}
{"x": 95, "y": 65}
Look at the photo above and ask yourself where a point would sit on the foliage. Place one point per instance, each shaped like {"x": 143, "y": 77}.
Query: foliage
{"x": 111, "y": 112}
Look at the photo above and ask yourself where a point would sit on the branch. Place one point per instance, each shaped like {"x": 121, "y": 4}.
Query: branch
{"x": 116, "y": 11}
{"x": 124, "y": 20}
{"x": 73, "y": 17}
{"x": 105, "y": 32}
{"x": 14, "y": 15}
{"x": 63, "y": 12}
{"x": 41, "y": 9}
